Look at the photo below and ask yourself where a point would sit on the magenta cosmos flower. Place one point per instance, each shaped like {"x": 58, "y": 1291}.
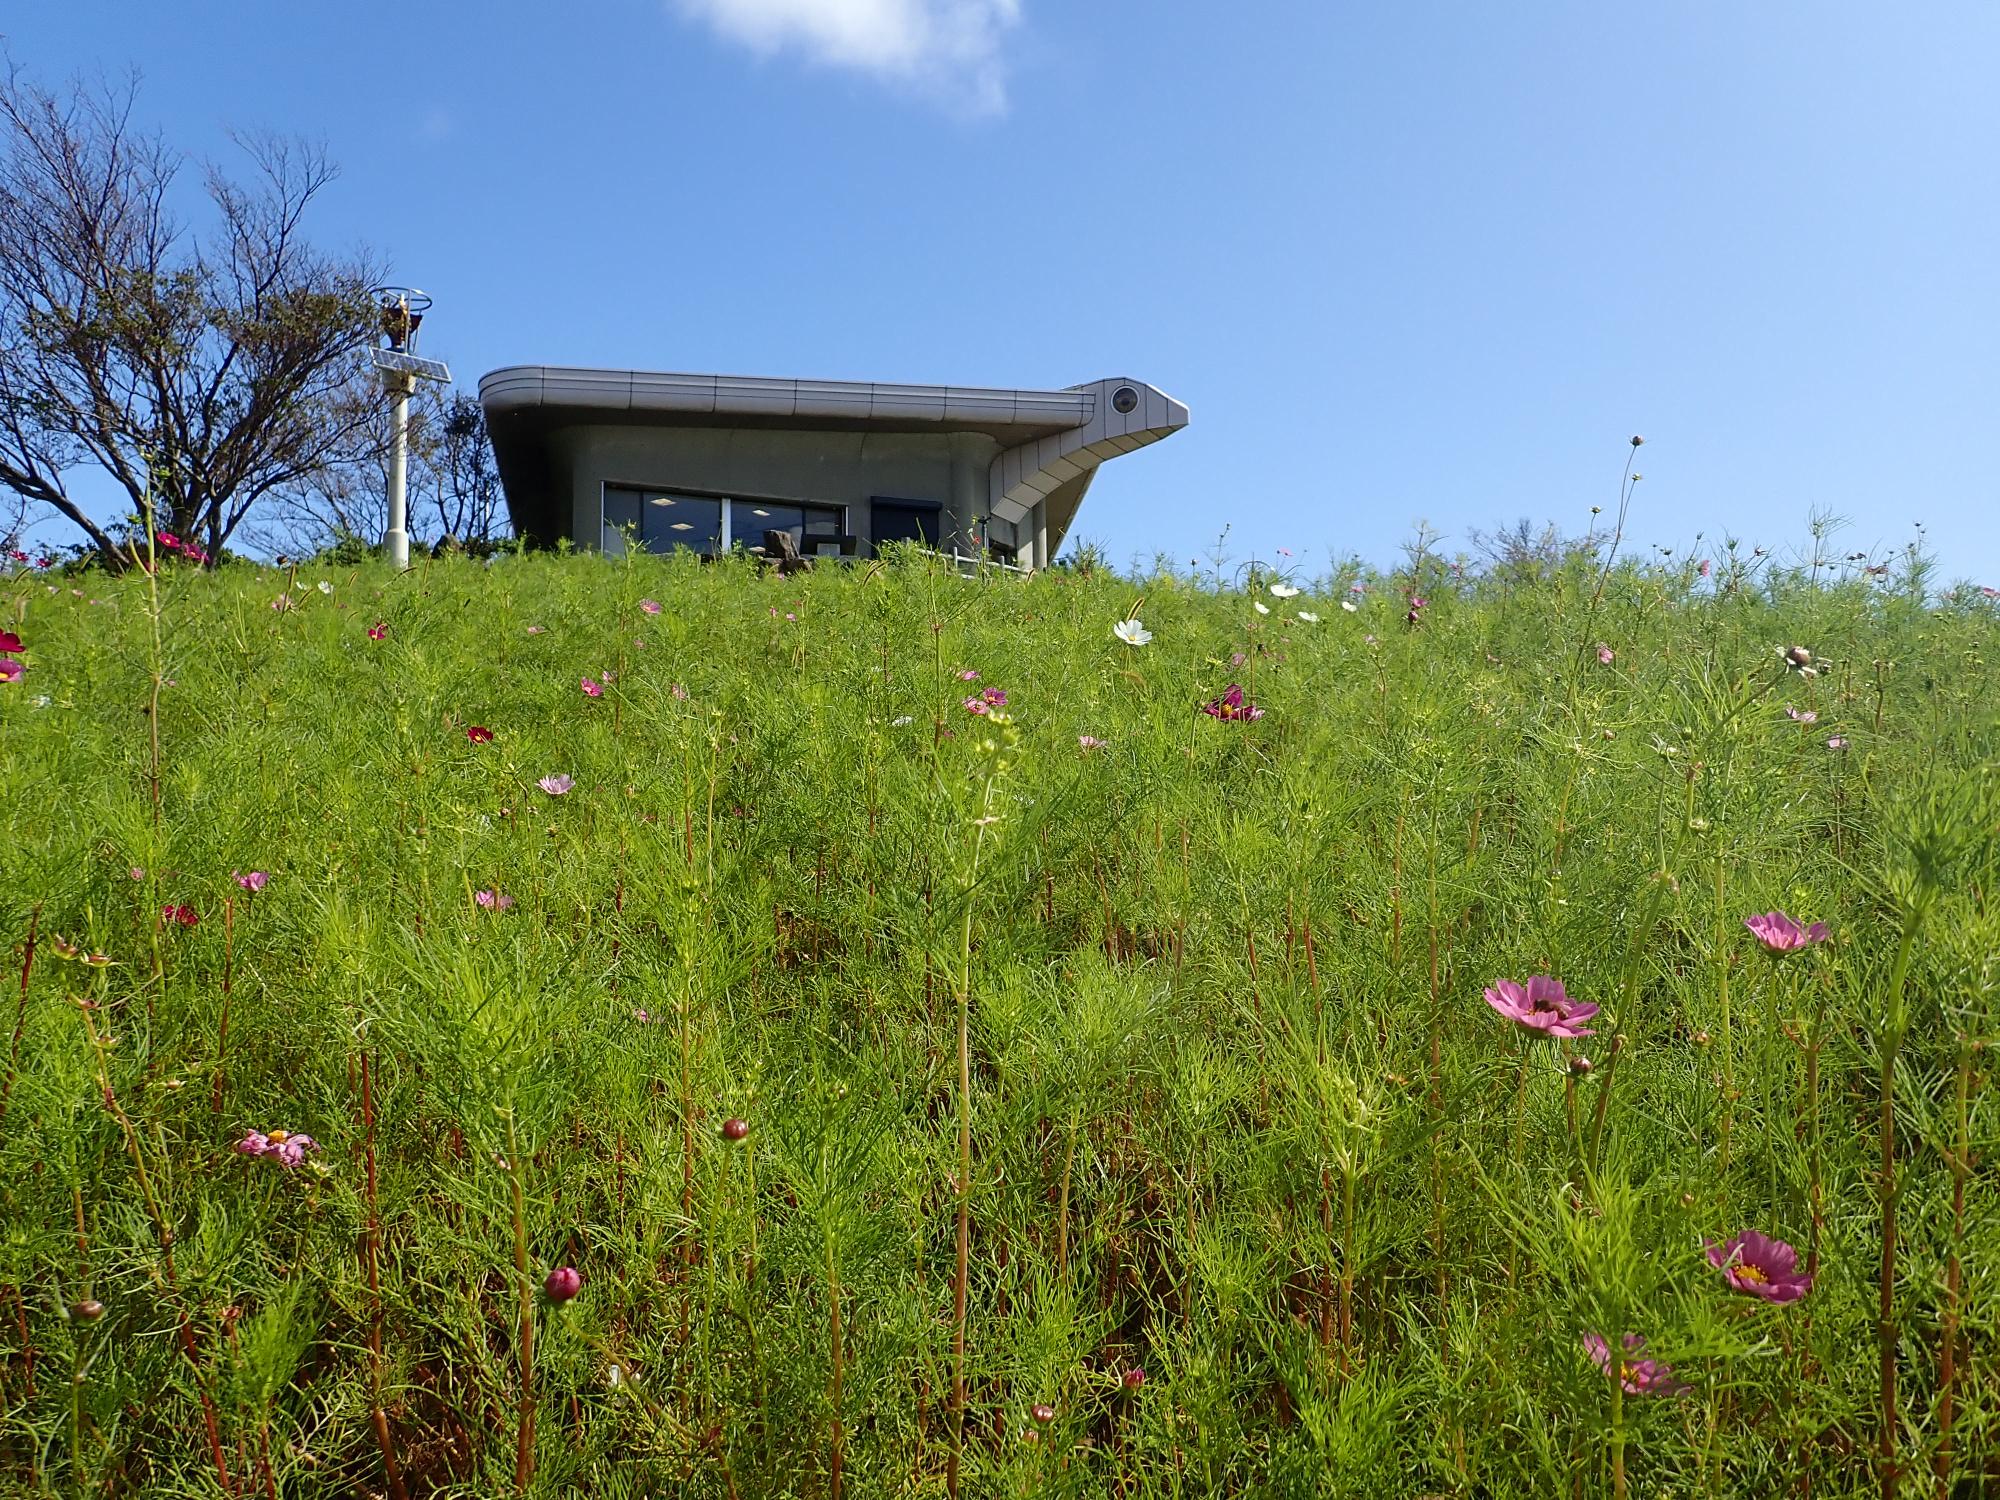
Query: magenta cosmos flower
{"x": 10, "y": 669}
{"x": 10, "y": 643}
{"x": 379, "y": 631}
{"x": 287, "y": 1148}
{"x": 492, "y": 900}
{"x": 1232, "y": 705}
{"x": 1761, "y": 1266}
{"x": 556, "y": 786}
{"x": 592, "y": 689}
{"x": 1541, "y": 1006}
{"x": 1780, "y": 934}
{"x": 252, "y": 881}
{"x": 1638, "y": 1375}
{"x": 479, "y": 734}
{"x": 650, "y": 606}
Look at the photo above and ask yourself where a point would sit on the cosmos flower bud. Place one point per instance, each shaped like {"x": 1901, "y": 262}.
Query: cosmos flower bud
{"x": 1134, "y": 1378}
{"x": 1580, "y": 1065}
{"x": 1637, "y": 441}
{"x": 563, "y": 1283}
{"x": 1043, "y": 1414}
{"x": 89, "y": 1310}
{"x": 734, "y": 1129}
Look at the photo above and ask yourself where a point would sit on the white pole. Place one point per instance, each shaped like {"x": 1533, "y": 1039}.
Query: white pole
{"x": 399, "y": 462}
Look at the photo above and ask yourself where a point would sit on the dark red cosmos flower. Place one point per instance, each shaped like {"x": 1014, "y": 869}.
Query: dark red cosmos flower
{"x": 10, "y": 643}
{"x": 1232, "y": 705}
{"x": 185, "y": 916}
{"x": 479, "y": 734}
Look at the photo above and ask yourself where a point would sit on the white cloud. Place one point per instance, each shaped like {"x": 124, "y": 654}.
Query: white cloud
{"x": 948, "y": 49}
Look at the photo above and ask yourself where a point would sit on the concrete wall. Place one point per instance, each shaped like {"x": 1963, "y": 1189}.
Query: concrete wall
{"x": 826, "y": 468}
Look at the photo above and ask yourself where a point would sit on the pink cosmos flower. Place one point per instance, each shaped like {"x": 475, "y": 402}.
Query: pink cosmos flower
{"x": 479, "y": 734}
{"x": 556, "y": 786}
{"x": 1800, "y": 716}
{"x": 1639, "y": 1376}
{"x": 136, "y": 873}
{"x": 968, "y": 675}
{"x": 1089, "y": 742}
{"x": 1541, "y": 1006}
{"x": 535, "y": 630}
{"x": 184, "y": 916}
{"x": 650, "y": 606}
{"x": 997, "y": 697}
{"x": 592, "y": 689}
{"x": 1232, "y": 705}
{"x": 1761, "y": 1266}
{"x": 1990, "y": 593}
{"x": 1706, "y": 568}
{"x": 492, "y": 900}
{"x": 1836, "y": 743}
{"x": 253, "y": 882}
{"x": 10, "y": 643}
{"x": 1780, "y": 934}
{"x": 282, "y": 603}
{"x": 1605, "y": 654}
{"x": 168, "y": 539}
{"x": 287, "y": 1148}
{"x": 10, "y": 669}
{"x": 679, "y": 692}
{"x": 1237, "y": 658}
{"x": 977, "y": 706}
{"x": 379, "y": 631}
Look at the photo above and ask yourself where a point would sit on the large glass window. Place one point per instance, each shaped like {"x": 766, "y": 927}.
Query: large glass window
{"x": 663, "y": 519}
{"x": 750, "y": 519}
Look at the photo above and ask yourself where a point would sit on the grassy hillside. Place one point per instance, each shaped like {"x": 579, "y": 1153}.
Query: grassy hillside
{"x": 1265, "y": 1197}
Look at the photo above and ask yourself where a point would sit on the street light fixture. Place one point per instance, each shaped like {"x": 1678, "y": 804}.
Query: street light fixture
{"x": 402, "y": 314}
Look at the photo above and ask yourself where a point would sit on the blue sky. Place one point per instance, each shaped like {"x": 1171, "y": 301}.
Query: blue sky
{"x": 1424, "y": 260}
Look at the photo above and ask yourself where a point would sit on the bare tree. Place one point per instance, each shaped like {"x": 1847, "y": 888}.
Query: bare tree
{"x": 201, "y": 373}
{"x": 454, "y": 487}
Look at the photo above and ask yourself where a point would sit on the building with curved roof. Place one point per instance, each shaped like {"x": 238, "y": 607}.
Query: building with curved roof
{"x": 709, "y": 462}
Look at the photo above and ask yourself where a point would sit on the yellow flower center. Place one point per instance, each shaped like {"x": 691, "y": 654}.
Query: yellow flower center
{"x": 1753, "y": 1274}
{"x": 278, "y": 1137}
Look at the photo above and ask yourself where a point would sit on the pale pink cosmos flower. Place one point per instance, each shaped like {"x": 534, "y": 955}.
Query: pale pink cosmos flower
{"x": 968, "y": 675}
{"x": 1706, "y": 568}
{"x": 252, "y": 881}
{"x": 1638, "y": 1375}
{"x": 1089, "y": 742}
{"x": 492, "y": 900}
{"x": 1542, "y": 1007}
{"x": 1800, "y": 715}
{"x": 650, "y": 606}
{"x": 535, "y": 630}
{"x": 679, "y": 692}
{"x": 136, "y": 873}
{"x": 592, "y": 688}
{"x": 1780, "y": 934}
{"x": 10, "y": 669}
{"x": 977, "y": 706}
{"x": 1836, "y": 743}
{"x": 1761, "y": 1266}
{"x": 556, "y": 786}
{"x": 1605, "y": 654}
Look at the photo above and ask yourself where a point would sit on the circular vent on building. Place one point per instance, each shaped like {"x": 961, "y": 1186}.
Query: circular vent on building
{"x": 1124, "y": 399}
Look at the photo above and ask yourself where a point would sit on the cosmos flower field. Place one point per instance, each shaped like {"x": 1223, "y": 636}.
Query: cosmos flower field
{"x": 643, "y": 1028}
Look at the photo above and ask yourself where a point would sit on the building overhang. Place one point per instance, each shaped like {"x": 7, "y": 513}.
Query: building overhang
{"x": 1047, "y": 439}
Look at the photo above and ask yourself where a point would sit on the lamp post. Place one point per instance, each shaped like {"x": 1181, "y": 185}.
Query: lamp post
{"x": 403, "y": 310}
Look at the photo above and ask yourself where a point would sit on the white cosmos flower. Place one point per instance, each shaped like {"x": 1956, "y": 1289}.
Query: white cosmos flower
{"x": 1283, "y": 591}
{"x": 899, "y": 722}
{"x": 1131, "y": 632}
{"x": 1309, "y": 617}
{"x": 1348, "y": 605}
{"x": 325, "y": 587}
{"x": 1260, "y": 606}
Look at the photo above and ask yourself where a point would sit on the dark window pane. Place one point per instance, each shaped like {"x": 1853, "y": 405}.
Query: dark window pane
{"x": 892, "y": 521}
{"x": 670, "y": 521}
{"x": 750, "y": 519}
